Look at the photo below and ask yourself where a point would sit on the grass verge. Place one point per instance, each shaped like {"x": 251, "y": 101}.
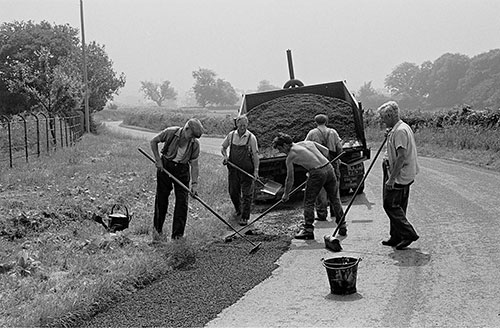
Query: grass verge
{"x": 58, "y": 266}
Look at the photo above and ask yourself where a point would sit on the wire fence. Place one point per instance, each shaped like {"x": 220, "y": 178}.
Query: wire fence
{"x": 27, "y": 136}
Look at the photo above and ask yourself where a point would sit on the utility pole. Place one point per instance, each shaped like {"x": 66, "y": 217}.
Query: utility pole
{"x": 85, "y": 79}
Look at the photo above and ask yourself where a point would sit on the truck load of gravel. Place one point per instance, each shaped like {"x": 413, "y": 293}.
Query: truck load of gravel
{"x": 294, "y": 115}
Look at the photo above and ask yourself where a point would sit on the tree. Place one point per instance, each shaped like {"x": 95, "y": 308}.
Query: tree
{"x": 204, "y": 85}
{"x": 211, "y": 91}
{"x": 224, "y": 93}
{"x": 405, "y": 85}
{"x": 481, "y": 82}
{"x": 443, "y": 80}
{"x": 52, "y": 86}
{"x": 40, "y": 66}
{"x": 401, "y": 81}
{"x": 21, "y": 44}
{"x": 103, "y": 81}
{"x": 369, "y": 97}
{"x": 264, "y": 85}
{"x": 158, "y": 92}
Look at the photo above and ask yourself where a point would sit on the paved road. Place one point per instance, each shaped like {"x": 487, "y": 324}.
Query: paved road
{"x": 208, "y": 144}
{"x": 450, "y": 277}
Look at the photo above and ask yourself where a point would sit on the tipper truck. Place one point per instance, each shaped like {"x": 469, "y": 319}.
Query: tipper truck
{"x": 273, "y": 166}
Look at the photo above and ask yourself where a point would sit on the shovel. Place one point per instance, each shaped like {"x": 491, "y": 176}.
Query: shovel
{"x": 230, "y": 237}
{"x": 255, "y": 246}
{"x": 270, "y": 187}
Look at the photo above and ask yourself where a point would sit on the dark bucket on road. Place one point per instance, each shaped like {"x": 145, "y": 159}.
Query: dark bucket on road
{"x": 342, "y": 273}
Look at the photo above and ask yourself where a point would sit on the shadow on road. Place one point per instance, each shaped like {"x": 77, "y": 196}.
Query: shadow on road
{"x": 344, "y": 298}
{"x": 359, "y": 200}
{"x": 410, "y": 257}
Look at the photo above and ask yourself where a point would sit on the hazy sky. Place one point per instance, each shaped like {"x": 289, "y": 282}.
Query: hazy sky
{"x": 245, "y": 42}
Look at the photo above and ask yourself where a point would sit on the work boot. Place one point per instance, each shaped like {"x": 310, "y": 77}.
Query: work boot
{"x": 405, "y": 243}
{"x": 390, "y": 242}
{"x": 304, "y": 234}
{"x": 343, "y": 231}
{"x": 243, "y": 222}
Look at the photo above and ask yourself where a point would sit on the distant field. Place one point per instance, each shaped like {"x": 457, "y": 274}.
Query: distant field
{"x": 217, "y": 120}
{"x": 125, "y": 110}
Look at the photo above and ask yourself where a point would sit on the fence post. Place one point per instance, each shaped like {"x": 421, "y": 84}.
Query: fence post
{"x": 72, "y": 130}
{"x": 25, "y": 137}
{"x": 46, "y": 130}
{"x": 82, "y": 126}
{"x": 60, "y": 130}
{"x": 10, "y": 139}
{"x": 53, "y": 129}
{"x": 37, "y": 135}
{"x": 66, "y": 130}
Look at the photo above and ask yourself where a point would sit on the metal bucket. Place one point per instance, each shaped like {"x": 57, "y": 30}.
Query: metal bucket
{"x": 342, "y": 274}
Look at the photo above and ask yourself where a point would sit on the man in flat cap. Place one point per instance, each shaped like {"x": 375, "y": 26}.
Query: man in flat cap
{"x": 179, "y": 156}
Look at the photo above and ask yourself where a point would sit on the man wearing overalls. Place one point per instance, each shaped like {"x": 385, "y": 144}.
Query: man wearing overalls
{"x": 243, "y": 152}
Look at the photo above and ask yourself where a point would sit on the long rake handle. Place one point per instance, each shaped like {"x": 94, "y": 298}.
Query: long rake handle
{"x": 198, "y": 199}
{"x": 245, "y": 172}
{"x": 359, "y": 186}
{"x": 278, "y": 202}
{"x": 266, "y": 211}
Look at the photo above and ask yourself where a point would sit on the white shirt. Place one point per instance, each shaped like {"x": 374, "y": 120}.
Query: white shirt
{"x": 401, "y": 136}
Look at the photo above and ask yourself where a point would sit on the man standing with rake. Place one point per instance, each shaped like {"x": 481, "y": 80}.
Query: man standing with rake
{"x": 399, "y": 168}
{"x": 243, "y": 152}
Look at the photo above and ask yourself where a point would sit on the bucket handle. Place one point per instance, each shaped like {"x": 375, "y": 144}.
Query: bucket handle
{"x": 347, "y": 267}
{"x": 126, "y": 210}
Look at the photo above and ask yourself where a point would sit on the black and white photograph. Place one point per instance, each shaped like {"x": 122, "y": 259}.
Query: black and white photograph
{"x": 250, "y": 163}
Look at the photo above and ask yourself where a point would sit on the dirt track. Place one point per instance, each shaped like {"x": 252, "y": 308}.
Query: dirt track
{"x": 448, "y": 278}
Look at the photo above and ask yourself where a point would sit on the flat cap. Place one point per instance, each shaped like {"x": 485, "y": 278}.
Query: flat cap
{"x": 195, "y": 126}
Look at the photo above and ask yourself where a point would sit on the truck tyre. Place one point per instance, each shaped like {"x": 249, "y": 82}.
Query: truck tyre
{"x": 293, "y": 83}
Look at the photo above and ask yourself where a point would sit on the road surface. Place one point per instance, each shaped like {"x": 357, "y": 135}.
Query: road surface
{"x": 209, "y": 144}
{"x": 450, "y": 277}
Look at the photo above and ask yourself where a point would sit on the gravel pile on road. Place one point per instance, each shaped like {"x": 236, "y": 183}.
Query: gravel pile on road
{"x": 221, "y": 274}
{"x": 294, "y": 115}
{"x": 194, "y": 295}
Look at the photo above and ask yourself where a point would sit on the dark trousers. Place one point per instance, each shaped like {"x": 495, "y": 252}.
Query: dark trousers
{"x": 321, "y": 178}
{"x": 241, "y": 192}
{"x": 395, "y": 205}
{"x": 322, "y": 205}
{"x": 322, "y": 202}
{"x": 164, "y": 186}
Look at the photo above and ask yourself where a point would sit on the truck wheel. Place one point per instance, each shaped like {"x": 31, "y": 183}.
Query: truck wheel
{"x": 293, "y": 83}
